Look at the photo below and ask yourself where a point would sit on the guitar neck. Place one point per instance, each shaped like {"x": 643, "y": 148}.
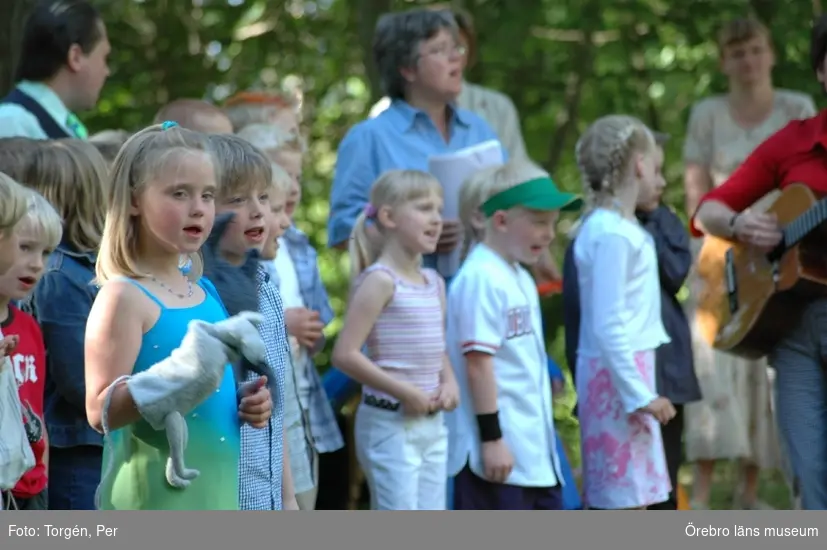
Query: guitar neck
{"x": 805, "y": 224}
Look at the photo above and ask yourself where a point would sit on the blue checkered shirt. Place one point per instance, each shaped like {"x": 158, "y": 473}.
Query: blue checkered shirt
{"x": 295, "y": 423}
{"x": 324, "y": 429}
{"x": 262, "y": 450}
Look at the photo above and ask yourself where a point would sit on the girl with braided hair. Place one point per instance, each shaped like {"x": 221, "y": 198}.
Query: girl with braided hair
{"x": 624, "y": 465}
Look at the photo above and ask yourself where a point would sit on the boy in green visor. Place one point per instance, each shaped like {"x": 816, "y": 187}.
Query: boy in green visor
{"x": 502, "y": 440}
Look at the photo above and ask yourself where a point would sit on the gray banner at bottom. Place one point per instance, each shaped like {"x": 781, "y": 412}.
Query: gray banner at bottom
{"x": 334, "y": 530}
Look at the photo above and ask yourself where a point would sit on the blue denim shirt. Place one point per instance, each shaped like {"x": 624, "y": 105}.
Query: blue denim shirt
{"x": 62, "y": 301}
{"x": 401, "y": 138}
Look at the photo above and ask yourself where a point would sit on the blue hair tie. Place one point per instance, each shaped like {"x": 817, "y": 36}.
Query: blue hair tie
{"x": 168, "y": 124}
{"x": 186, "y": 267}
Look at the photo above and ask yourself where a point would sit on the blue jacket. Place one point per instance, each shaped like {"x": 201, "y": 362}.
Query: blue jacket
{"x": 62, "y": 301}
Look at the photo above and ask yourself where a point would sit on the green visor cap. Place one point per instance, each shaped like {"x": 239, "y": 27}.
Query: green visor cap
{"x": 537, "y": 194}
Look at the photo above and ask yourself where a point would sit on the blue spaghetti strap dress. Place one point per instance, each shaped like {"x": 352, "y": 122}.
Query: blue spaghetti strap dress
{"x": 140, "y": 453}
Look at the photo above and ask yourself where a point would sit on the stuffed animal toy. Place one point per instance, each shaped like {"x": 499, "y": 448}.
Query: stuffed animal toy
{"x": 172, "y": 388}
{"x": 236, "y": 286}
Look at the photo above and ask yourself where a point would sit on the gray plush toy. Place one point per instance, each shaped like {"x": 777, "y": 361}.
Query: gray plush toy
{"x": 172, "y": 388}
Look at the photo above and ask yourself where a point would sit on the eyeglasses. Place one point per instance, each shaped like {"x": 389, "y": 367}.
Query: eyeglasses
{"x": 446, "y": 50}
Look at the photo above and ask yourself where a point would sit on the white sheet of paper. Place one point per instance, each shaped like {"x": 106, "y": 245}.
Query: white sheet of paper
{"x": 452, "y": 170}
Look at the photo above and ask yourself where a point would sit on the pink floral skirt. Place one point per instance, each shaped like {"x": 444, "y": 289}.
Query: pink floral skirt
{"x": 624, "y": 465}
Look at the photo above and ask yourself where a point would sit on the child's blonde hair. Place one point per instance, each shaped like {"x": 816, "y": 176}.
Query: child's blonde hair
{"x": 72, "y": 175}
{"x": 503, "y": 177}
{"x": 272, "y": 138}
{"x": 242, "y": 167}
{"x": 472, "y": 193}
{"x": 15, "y": 154}
{"x": 393, "y": 189}
{"x": 142, "y": 158}
{"x": 257, "y": 107}
{"x": 43, "y": 220}
{"x": 14, "y": 203}
{"x": 604, "y": 153}
{"x": 282, "y": 183}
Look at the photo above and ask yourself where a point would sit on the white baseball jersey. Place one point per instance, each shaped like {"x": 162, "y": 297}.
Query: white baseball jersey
{"x": 493, "y": 307}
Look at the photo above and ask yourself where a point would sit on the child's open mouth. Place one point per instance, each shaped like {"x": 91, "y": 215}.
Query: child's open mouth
{"x": 536, "y": 249}
{"x": 255, "y": 235}
{"x": 27, "y": 281}
{"x": 193, "y": 231}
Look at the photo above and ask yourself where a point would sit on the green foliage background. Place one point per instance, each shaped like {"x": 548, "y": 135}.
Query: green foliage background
{"x": 563, "y": 62}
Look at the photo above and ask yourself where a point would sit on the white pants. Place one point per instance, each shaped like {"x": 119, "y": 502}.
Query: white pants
{"x": 404, "y": 459}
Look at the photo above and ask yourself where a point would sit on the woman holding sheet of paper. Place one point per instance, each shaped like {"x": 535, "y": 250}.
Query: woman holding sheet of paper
{"x": 420, "y": 60}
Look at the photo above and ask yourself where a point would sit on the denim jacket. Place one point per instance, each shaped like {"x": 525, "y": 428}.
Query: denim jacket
{"x": 62, "y": 301}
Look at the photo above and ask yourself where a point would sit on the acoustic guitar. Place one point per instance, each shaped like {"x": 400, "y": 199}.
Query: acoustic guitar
{"x": 750, "y": 298}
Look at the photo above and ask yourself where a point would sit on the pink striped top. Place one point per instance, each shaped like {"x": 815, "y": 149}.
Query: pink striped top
{"x": 408, "y": 338}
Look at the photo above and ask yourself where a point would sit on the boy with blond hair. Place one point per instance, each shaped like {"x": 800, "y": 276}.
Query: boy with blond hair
{"x": 39, "y": 233}
{"x": 307, "y": 307}
{"x": 503, "y": 447}
{"x": 231, "y": 262}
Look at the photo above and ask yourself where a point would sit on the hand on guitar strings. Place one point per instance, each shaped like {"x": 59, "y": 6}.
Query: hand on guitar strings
{"x": 661, "y": 408}
{"x": 758, "y": 229}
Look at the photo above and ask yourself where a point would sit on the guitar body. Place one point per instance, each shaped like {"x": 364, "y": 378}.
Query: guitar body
{"x": 748, "y": 318}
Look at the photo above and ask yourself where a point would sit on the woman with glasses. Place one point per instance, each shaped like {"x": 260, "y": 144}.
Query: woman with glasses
{"x": 420, "y": 60}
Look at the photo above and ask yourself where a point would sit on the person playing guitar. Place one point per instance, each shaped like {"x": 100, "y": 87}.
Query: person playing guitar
{"x": 795, "y": 154}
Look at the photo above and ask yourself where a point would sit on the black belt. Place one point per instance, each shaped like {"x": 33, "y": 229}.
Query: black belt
{"x": 386, "y": 404}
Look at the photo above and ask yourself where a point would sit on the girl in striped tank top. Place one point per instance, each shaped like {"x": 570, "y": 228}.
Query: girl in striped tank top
{"x": 393, "y": 343}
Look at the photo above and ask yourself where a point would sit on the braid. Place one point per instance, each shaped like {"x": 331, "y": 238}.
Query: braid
{"x": 603, "y": 154}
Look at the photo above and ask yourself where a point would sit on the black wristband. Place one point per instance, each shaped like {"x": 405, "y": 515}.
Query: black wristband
{"x": 489, "y": 425}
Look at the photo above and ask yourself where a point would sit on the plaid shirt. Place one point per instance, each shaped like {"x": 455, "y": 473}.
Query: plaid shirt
{"x": 262, "y": 450}
{"x": 324, "y": 429}
{"x": 298, "y": 444}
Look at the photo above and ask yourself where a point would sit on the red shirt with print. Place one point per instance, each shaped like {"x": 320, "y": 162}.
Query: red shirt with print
{"x": 29, "y": 366}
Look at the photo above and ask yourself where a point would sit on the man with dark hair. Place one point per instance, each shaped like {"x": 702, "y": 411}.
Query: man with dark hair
{"x": 62, "y": 68}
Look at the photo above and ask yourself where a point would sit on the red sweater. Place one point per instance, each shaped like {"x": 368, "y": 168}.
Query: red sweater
{"x": 29, "y": 363}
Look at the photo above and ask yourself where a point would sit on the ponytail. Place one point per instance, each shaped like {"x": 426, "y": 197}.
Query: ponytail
{"x": 361, "y": 249}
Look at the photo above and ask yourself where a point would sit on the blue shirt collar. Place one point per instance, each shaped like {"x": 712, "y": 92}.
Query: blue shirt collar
{"x": 408, "y": 114}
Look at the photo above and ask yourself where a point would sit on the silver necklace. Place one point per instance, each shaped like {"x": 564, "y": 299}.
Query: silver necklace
{"x": 171, "y": 291}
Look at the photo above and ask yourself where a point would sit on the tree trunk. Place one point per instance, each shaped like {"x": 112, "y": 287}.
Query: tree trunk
{"x": 12, "y": 17}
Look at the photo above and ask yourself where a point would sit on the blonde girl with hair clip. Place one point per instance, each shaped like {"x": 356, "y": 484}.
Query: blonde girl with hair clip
{"x": 397, "y": 308}
{"x": 624, "y": 465}
{"x": 160, "y": 207}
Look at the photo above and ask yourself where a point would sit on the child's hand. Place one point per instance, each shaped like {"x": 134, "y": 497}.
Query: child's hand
{"x": 446, "y": 398}
{"x": 256, "y": 405}
{"x": 497, "y": 461}
{"x": 661, "y": 408}
{"x": 8, "y": 345}
{"x": 416, "y": 402}
{"x": 304, "y": 324}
